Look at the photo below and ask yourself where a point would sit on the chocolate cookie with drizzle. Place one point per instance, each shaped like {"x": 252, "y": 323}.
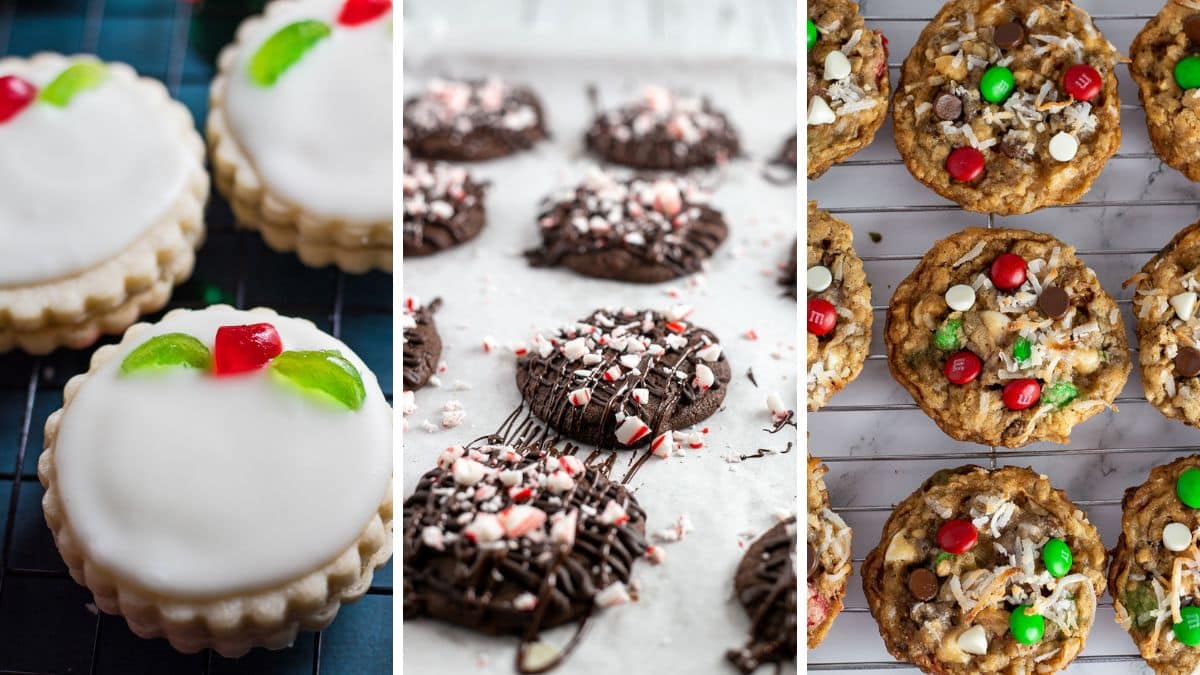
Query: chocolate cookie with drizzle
{"x": 664, "y": 131}
{"x": 624, "y": 378}
{"x": 639, "y": 229}
{"x": 443, "y": 207}
{"x": 765, "y": 584}
{"x": 422, "y": 344}
{"x": 472, "y": 120}
{"x": 516, "y": 540}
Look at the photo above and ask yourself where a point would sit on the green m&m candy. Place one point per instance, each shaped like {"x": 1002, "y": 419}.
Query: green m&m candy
{"x": 946, "y": 337}
{"x": 1022, "y": 350}
{"x": 1026, "y": 628}
{"x": 326, "y": 374}
{"x": 1057, "y": 557}
{"x": 997, "y": 84}
{"x": 1059, "y": 393}
{"x": 1188, "y": 630}
{"x": 1187, "y": 486}
{"x": 1187, "y": 72}
{"x": 167, "y": 351}
{"x": 812, "y": 34}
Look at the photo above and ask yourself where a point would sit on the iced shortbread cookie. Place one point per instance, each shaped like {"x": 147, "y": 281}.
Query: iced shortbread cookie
{"x": 222, "y": 478}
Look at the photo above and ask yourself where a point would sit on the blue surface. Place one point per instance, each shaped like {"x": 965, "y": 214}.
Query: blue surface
{"x": 46, "y": 625}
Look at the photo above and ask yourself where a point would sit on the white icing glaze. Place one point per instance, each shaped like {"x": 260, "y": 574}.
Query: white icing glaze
{"x": 80, "y": 184}
{"x": 193, "y": 485}
{"x": 321, "y": 136}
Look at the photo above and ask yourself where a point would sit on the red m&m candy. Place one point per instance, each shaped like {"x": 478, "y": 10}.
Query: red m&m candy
{"x": 965, "y": 164}
{"x": 957, "y": 536}
{"x": 240, "y": 349}
{"x": 15, "y": 94}
{"x": 822, "y": 316}
{"x": 1009, "y": 271}
{"x": 1082, "y": 82}
{"x": 1021, "y": 394}
{"x": 962, "y": 368}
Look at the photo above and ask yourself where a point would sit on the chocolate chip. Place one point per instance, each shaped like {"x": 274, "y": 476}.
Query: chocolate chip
{"x": 947, "y": 107}
{"x": 1009, "y": 35}
{"x": 1015, "y": 150}
{"x": 1187, "y": 362}
{"x": 1054, "y": 302}
{"x": 1191, "y": 28}
{"x": 923, "y": 584}
{"x": 813, "y": 560}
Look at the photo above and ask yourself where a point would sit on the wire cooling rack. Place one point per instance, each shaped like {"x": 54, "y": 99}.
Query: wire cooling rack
{"x": 879, "y": 446}
{"x": 47, "y": 624}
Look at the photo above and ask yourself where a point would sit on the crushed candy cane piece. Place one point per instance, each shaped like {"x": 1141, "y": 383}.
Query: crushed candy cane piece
{"x": 704, "y": 377}
{"x": 521, "y": 519}
{"x": 613, "y": 514}
{"x": 631, "y": 430}
{"x": 612, "y": 595}
{"x": 485, "y": 529}
{"x": 580, "y": 397}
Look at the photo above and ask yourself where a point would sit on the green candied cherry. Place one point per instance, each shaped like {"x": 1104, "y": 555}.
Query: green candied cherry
{"x": 1187, "y": 72}
{"x": 283, "y": 49}
{"x": 1059, "y": 394}
{"x": 996, "y": 84}
{"x": 1139, "y": 602}
{"x": 324, "y": 372}
{"x": 946, "y": 337}
{"x": 1022, "y": 350}
{"x": 1188, "y": 630}
{"x": 170, "y": 350}
{"x": 77, "y": 78}
{"x": 812, "y": 34}
{"x": 1057, "y": 557}
{"x": 1026, "y": 627}
{"x": 1187, "y": 487}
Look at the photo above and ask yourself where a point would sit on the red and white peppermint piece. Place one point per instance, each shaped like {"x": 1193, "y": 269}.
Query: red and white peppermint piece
{"x": 520, "y": 520}
{"x": 775, "y": 406}
{"x": 434, "y": 538}
{"x": 614, "y": 373}
{"x": 449, "y": 456}
{"x": 656, "y": 555}
{"x": 525, "y": 602}
{"x": 710, "y": 353}
{"x": 485, "y": 529}
{"x": 676, "y": 326}
{"x": 695, "y": 440}
{"x": 519, "y": 493}
{"x": 468, "y": 472}
{"x": 571, "y": 464}
{"x": 408, "y": 403}
{"x": 750, "y": 335}
{"x": 667, "y": 200}
{"x": 509, "y": 455}
{"x": 559, "y": 482}
{"x": 489, "y": 344}
{"x": 612, "y": 595}
{"x": 704, "y": 377}
{"x": 657, "y": 98}
{"x": 518, "y": 348}
{"x": 630, "y": 360}
{"x": 562, "y": 528}
{"x": 678, "y": 312}
{"x": 613, "y": 514}
{"x": 675, "y": 342}
{"x": 574, "y": 349}
{"x": 580, "y": 397}
{"x": 485, "y": 492}
{"x": 511, "y": 476}
{"x": 631, "y": 430}
{"x": 641, "y": 395}
{"x": 663, "y": 444}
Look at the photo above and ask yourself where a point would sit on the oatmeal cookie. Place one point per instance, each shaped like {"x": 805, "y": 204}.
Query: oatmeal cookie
{"x": 986, "y": 571}
{"x": 1167, "y": 71}
{"x": 1006, "y": 106}
{"x": 829, "y": 559}
{"x": 847, "y": 83}
{"x": 1004, "y": 338}
{"x": 839, "y": 307}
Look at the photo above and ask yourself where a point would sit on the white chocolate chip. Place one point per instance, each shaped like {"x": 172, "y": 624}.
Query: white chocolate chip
{"x": 1176, "y": 537}
{"x": 1063, "y": 146}
{"x": 819, "y": 112}
{"x": 995, "y": 323}
{"x": 819, "y": 278}
{"x": 973, "y": 641}
{"x": 900, "y": 549}
{"x": 837, "y": 65}
{"x": 1184, "y": 304}
{"x": 960, "y": 297}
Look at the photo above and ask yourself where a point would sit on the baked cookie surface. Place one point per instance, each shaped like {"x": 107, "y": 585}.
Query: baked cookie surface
{"x": 765, "y": 584}
{"x": 443, "y": 207}
{"x": 643, "y": 230}
{"x": 621, "y": 378}
{"x": 829, "y": 556}
{"x": 848, "y": 84}
{"x": 1003, "y": 337}
{"x": 985, "y": 571}
{"x": 1006, "y": 106}
{"x": 472, "y": 120}
{"x": 1167, "y": 73}
{"x": 422, "y": 343}
{"x": 839, "y": 308}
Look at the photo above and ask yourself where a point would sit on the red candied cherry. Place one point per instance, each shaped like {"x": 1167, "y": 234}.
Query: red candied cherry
{"x": 822, "y": 316}
{"x": 957, "y": 536}
{"x": 15, "y": 94}
{"x": 1009, "y": 271}
{"x": 1021, "y": 394}
{"x": 965, "y": 164}
{"x": 357, "y": 12}
{"x": 240, "y": 349}
{"x": 1082, "y": 82}
{"x": 962, "y": 367}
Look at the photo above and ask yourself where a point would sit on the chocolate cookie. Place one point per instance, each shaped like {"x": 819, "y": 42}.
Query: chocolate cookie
{"x": 422, "y": 344}
{"x": 787, "y": 154}
{"x": 985, "y": 571}
{"x": 1153, "y": 573}
{"x": 765, "y": 584}
{"x": 788, "y": 278}
{"x": 509, "y": 540}
{"x": 839, "y": 308}
{"x": 1167, "y": 71}
{"x": 664, "y": 131}
{"x": 848, "y": 84}
{"x": 640, "y": 229}
{"x": 472, "y": 120}
{"x": 829, "y": 556}
{"x": 443, "y": 207}
{"x": 1004, "y": 338}
{"x": 1167, "y": 327}
{"x": 623, "y": 378}
{"x": 1006, "y": 106}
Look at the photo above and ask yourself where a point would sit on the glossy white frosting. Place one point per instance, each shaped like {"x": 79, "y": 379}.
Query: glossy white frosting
{"x": 79, "y": 184}
{"x": 192, "y": 485}
{"x": 321, "y": 136}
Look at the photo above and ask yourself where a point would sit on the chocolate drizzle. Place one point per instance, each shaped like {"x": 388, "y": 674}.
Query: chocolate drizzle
{"x": 422, "y": 344}
{"x": 443, "y": 207}
{"x": 664, "y": 131}
{"x": 472, "y": 120}
{"x": 766, "y": 586}
{"x": 639, "y": 229}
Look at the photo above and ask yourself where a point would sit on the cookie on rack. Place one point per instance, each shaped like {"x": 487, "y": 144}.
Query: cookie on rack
{"x": 300, "y": 130}
{"x": 1007, "y": 106}
{"x": 839, "y": 308}
{"x": 829, "y": 556}
{"x": 1166, "y": 68}
{"x": 623, "y": 378}
{"x": 472, "y": 120}
{"x": 515, "y": 540}
{"x": 848, "y": 85}
{"x": 664, "y": 130}
{"x": 765, "y": 584}
{"x": 1004, "y": 338}
{"x": 1153, "y": 578}
{"x": 422, "y": 343}
{"x": 986, "y": 571}
{"x": 443, "y": 207}
{"x": 222, "y": 479}
{"x": 640, "y": 229}
{"x": 102, "y": 192}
